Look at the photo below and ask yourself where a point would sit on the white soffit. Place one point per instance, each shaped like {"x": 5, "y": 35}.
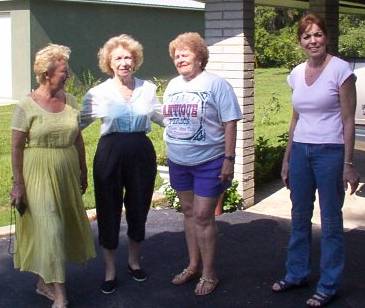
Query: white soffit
{"x": 170, "y": 4}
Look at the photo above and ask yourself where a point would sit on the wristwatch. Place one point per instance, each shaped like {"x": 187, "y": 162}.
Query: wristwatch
{"x": 231, "y": 158}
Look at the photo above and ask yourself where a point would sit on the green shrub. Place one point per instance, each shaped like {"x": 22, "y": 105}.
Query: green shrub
{"x": 268, "y": 159}
{"x": 232, "y": 200}
{"x": 172, "y": 198}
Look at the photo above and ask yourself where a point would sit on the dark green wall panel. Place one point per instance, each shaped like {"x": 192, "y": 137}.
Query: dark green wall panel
{"x": 85, "y": 27}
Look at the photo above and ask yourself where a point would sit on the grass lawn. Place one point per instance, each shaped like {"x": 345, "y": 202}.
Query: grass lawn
{"x": 268, "y": 82}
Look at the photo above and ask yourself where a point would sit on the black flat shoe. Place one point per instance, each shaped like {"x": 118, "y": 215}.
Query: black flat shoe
{"x": 137, "y": 274}
{"x": 109, "y": 286}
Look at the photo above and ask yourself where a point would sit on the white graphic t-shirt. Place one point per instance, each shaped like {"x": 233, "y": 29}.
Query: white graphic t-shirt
{"x": 194, "y": 112}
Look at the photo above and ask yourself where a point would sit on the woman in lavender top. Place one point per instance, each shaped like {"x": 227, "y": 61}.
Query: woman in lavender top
{"x": 318, "y": 157}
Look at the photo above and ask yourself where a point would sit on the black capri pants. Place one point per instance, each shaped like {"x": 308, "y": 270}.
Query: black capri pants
{"x": 124, "y": 172}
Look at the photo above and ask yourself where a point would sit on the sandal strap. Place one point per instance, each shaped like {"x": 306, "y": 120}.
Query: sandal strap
{"x": 185, "y": 271}
{"x": 209, "y": 280}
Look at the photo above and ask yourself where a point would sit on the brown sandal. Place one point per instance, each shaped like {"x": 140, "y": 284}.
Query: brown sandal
{"x": 185, "y": 276}
{"x": 46, "y": 292}
{"x": 206, "y": 283}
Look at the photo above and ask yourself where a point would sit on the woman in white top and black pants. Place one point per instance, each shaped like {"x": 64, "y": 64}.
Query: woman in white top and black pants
{"x": 318, "y": 156}
{"x": 125, "y": 160}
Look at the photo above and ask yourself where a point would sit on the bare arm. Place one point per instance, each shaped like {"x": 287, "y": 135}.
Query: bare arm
{"x": 285, "y": 164}
{"x": 79, "y": 144}
{"x": 18, "y": 140}
{"x": 348, "y": 107}
{"x": 230, "y": 135}
{"x": 156, "y": 115}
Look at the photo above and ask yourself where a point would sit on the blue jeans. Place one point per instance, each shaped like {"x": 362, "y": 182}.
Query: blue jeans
{"x": 311, "y": 167}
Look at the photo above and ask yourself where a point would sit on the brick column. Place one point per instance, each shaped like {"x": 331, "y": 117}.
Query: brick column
{"x": 229, "y": 33}
{"x": 329, "y": 10}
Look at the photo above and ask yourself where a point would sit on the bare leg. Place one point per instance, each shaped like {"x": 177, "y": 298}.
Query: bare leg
{"x": 60, "y": 296}
{"x": 134, "y": 249}
{"x": 186, "y": 199}
{"x": 109, "y": 259}
{"x": 206, "y": 233}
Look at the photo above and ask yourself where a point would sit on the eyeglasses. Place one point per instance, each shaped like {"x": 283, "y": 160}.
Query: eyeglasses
{"x": 307, "y": 36}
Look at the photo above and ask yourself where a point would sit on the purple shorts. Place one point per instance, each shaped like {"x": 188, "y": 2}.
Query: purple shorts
{"x": 202, "y": 179}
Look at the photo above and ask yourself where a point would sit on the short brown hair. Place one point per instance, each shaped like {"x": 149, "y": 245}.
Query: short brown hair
{"x": 46, "y": 58}
{"x": 192, "y": 41}
{"x": 125, "y": 41}
{"x": 310, "y": 19}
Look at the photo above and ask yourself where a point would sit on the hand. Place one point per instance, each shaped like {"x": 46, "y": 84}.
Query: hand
{"x": 285, "y": 174}
{"x": 227, "y": 171}
{"x": 350, "y": 176}
{"x": 83, "y": 181}
{"x": 17, "y": 194}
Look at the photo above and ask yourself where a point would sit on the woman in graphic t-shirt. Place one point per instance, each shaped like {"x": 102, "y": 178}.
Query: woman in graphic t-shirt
{"x": 318, "y": 156}
{"x": 200, "y": 113}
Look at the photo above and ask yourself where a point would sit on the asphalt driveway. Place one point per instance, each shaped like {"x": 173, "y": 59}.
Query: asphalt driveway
{"x": 251, "y": 255}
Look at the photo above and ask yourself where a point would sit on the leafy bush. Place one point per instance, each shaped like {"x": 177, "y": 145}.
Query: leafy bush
{"x": 280, "y": 48}
{"x": 352, "y": 44}
{"x": 232, "y": 200}
{"x": 268, "y": 159}
{"x": 172, "y": 198}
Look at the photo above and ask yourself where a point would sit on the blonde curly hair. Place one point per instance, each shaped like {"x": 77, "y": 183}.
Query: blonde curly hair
{"x": 125, "y": 41}
{"x": 192, "y": 41}
{"x": 46, "y": 59}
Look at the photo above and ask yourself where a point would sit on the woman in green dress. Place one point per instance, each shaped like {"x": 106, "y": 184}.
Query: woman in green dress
{"x": 50, "y": 175}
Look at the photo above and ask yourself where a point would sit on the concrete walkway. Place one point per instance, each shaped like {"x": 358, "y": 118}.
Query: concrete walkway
{"x": 278, "y": 204}
{"x": 274, "y": 199}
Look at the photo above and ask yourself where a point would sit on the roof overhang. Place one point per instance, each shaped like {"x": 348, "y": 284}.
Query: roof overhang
{"x": 168, "y": 4}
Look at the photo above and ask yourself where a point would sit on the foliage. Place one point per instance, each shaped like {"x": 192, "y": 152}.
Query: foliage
{"x": 268, "y": 158}
{"x": 352, "y": 44}
{"x": 161, "y": 86}
{"x": 156, "y": 133}
{"x": 275, "y": 37}
{"x": 79, "y": 86}
{"x": 271, "y": 82}
{"x": 271, "y": 108}
{"x": 172, "y": 198}
{"x": 232, "y": 200}
{"x": 276, "y": 42}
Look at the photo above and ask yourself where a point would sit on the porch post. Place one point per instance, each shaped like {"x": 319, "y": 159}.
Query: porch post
{"x": 329, "y": 10}
{"x": 229, "y": 33}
